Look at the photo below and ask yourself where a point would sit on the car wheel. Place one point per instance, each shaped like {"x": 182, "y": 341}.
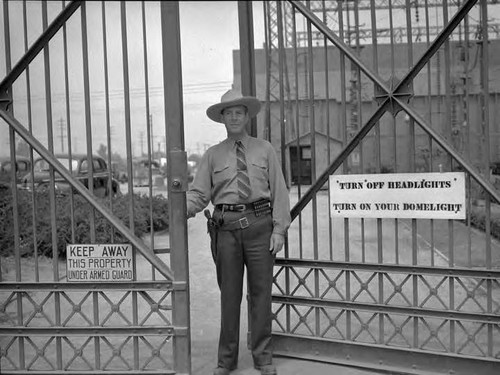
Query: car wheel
{"x": 43, "y": 187}
{"x": 116, "y": 189}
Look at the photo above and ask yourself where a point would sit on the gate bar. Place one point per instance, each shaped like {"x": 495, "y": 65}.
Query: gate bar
{"x": 107, "y": 110}
{"x": 68, "y": 132}
{"x": 149, "y": 120}
{"x": 356, "y": 356}
{"x": 177, "y": 179}
{"x": 490, "y": 274}
{"x": 30, "y": 127}
{"x": 88, "y": 113}
{"x": 282, "y": 77}
{"x": 485, "y": 318}
{"x": 52, "y": 194}
{"x": 247, "y": 60}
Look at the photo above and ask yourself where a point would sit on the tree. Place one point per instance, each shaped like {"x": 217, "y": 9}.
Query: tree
{"x": 102, "y": 151}
{"x": 22, "y": 148}
{"x": 195, "y": 158}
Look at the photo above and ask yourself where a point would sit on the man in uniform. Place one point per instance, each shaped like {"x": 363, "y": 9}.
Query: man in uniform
{"x": 242, "y": 178}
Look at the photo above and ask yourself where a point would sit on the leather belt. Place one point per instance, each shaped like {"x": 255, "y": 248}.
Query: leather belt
{"x": 258, "y": 206}
{"x": 234, "y": 207}
{"x": 241, "y": 223}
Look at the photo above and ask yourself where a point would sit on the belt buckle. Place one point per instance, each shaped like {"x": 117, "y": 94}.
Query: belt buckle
{"x": 239, "y": 207}
{"x": 243, "y": 223}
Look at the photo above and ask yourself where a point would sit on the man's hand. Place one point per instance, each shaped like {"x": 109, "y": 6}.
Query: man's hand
{"x": 277, "y": 241}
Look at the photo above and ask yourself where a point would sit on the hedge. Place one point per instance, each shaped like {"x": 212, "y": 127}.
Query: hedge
{"x": 104, "y": 232}
{"x": 478, "y": 220}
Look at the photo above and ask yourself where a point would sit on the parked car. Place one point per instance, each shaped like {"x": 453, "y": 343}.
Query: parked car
{"x": 142, "y": 168}
{"x": 23, "y": 166}
{"x": 119, "y": 172}
{"x": 495, "y": 174}
{"x": 79, "y": 168}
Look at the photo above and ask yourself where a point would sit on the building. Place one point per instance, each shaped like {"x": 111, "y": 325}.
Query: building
{"x": 321, "y": 114}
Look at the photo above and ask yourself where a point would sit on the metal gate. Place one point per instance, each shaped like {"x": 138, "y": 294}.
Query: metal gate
{"x": 370, "y": 87}
{"x": 77, "y": 94}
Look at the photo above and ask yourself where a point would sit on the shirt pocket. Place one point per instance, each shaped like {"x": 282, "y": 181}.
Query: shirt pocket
{"x": 259, "y": 170}
{"x": 221, "y": 173}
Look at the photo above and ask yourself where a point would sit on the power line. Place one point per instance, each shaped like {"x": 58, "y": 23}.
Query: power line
{"x": 137, "y": 92}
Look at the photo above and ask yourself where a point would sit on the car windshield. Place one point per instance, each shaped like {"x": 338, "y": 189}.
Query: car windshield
{"x": 5, "y": 166}
{"x": 43, "y": 165}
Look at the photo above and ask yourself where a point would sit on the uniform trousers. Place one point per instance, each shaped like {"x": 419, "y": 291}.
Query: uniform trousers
{"x": 236, "y": 250}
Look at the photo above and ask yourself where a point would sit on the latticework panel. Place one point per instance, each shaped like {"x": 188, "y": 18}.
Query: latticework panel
{"x": 410, "y": 309}
{"x": 121, "y": 329}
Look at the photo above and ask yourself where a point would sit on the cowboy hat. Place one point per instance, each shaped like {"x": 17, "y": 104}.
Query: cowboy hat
{"x": 230, "y": 99}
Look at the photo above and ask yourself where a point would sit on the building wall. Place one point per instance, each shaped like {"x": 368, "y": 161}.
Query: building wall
{"x": 455, "y": 111}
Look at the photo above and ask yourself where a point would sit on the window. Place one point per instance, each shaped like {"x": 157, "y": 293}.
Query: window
{"x": 67, "y": 164}
{"x": 98, "y": 165}
{"x": 22, "y": 166}
{"x": 41, "y": 165}
{"x": 84, "y": 167}
{"x": 305, "y": 153}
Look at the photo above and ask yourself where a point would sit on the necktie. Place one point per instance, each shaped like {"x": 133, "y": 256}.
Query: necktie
{"x": 242, "y": 176}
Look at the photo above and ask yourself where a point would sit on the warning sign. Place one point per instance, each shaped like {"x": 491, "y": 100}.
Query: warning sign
{"x": 399, "y": 195}
{"x": 97, "y": 262}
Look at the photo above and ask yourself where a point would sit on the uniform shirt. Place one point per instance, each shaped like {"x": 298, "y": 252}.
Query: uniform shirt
{"x": 215, "y": 181}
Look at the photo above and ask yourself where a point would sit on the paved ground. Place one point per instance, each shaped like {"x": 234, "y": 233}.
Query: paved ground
{"x": 396, "y": 242}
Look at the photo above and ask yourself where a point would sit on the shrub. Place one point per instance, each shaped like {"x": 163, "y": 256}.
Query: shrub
{"x": 143, "y": 221}
{"x": 478, "y": 220}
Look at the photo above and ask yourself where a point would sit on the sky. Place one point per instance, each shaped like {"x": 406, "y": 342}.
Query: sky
{"x": 209, "y": 34}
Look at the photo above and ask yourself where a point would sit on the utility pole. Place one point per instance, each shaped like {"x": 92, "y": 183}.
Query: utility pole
{"x": 151, "y": 140}
{"x": 61, "y": 133}
{"x": 75, "y": 144}
{"x": 141, "y": 139}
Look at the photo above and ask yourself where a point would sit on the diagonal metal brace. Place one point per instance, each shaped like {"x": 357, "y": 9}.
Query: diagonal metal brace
{"x": 5, "y": 100}
{"x": 89, "y": 197}
{"x": 391, "y": 97}
{"x": 38, "y": 45}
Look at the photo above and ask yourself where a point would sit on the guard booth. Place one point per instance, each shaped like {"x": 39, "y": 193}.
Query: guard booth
{"x": 378, "y": 93}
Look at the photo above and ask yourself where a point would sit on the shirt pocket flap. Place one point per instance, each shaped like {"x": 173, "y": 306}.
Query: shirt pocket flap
{"x": 221, "y": 173}
{"x": 259, "y": 170}
{"x": 220, "y": 168}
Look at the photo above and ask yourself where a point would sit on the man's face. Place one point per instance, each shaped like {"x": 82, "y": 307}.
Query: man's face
{"x": 235, "y": 118}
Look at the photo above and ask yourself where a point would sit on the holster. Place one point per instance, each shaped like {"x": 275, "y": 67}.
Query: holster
{"x": 212, "y": 229}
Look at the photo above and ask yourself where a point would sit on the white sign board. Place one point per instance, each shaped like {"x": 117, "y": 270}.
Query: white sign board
{"x": 98, "y": 262}
{"x": 398, "y": 195}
